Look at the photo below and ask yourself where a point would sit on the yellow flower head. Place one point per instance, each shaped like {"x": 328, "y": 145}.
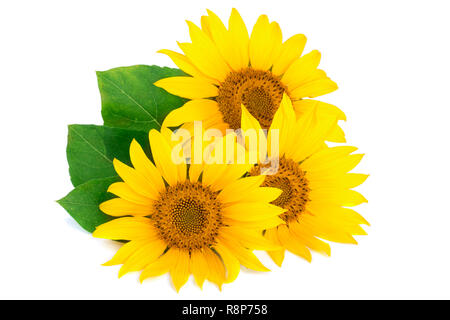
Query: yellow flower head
{"x": 233, "y": 69}
{"x": 315, "y": 182}
{"x": 203, "y": 220}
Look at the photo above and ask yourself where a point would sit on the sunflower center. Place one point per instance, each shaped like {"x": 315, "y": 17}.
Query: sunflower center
{"x": 290, "y": 178}
{"x": 188, "y": 216}
{"x": 284, "y": 184}
{"x": 259, "y": 91}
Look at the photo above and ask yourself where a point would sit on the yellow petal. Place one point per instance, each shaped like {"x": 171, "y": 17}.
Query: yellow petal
{"x": 291, "y": 50}
{"x": 346, "y": 198}
{"x": 162, "y": 155}
{"x": 306, "y": 237}
{"x": 312, "y": 76}
{"x": 205, "y": 55}
{"x": 216, "y": 269}
{"x": 352, "y": 216}
{"x": 231, "y": 173}
{"x": 125, "y": 252}
{"x": 194, "y": 172}
{"x": 263, "y": 194}
{"x": 307, "y": 105}
{"x": 194, "y": 110}
{"x": 255, "y": 224}
{"x": 290, "y": 243}
{"x": 188, "y": 87}
{"x": 251, "y": 211}
{"x": 178, "y": 142}
{"x": 225, "y": 167}
{"x": 118, "y": 207}
{"x": 186, "y": 65}
{"x": 331, "y": 162}
{"x": 277, "y": 256}
{"x": 199, "y": 267}
{"x": 314, "y": 89}
{"x": 161, "y": 265}
{"x": 315, "y": 75}
{"x": 128, "y": 228}
{"x": 248, "y": 122}
{"x": 343, "y": 181}
{"x": 238, "y": 189}
{"x": 212, "y": 174}
{"x": 348, "y": 163}
{"x": 309, "y": 136}
{"x": 177, "y": 146}
{"x": 265, "y": 43}
{"x": 272, "y": 235}
{"x": 326, "y": 158}
{"x": 122, "y": 190}
{"x": 239, "y": 37}
{"x": 337, "y": 225}
{"x": 232, "y": 264}
{"x": 300, "y": 70}
{"x": 142, "y": 257}
{"x": 250, "y": 239}
{"x": 337, "y": 220}
{"x": 221, "y": 38}
{"x": 135, "y": 180}
{"x": 339, "y": 238}
{"x": 206, "y": 28}
{"x": 277, "y": 37}
{"x": 284, "y": 121}
{"x": 323, "y": 110}
{"x": 180, "y": 271}
{"x": 336, "y": 135}
{"x": 145, "y": 167}
{"x": 325, "y": 230}
{"x": 245, "y": 257}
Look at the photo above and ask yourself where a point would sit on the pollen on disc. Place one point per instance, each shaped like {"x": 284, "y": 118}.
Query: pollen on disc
{"x": 291, "y": 179}
{"x": 259, "y": 91}
{"x": 188, "y": 216}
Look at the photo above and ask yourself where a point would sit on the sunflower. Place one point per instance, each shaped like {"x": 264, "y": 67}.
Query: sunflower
{"x": 228, "y": 68}
{"x": 315, "y": 182}
{"x": 203, "y": 220}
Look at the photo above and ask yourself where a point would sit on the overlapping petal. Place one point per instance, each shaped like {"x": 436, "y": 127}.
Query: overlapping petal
{"x": 149, "y": 251}
{"x": 217, "y": 53}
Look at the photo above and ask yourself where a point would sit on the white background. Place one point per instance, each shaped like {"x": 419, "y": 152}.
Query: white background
{"x": 391, "y": 61}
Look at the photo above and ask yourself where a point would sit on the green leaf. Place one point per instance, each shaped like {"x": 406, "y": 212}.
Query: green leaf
{"x": 91, "y": 150}
{"x": 131, "y": 101}
{"x": 83, "y": 201}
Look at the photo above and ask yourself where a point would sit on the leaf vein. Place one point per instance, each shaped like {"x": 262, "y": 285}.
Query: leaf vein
{"x": 133, "y": 100}
{"x": 90, "y": 145}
